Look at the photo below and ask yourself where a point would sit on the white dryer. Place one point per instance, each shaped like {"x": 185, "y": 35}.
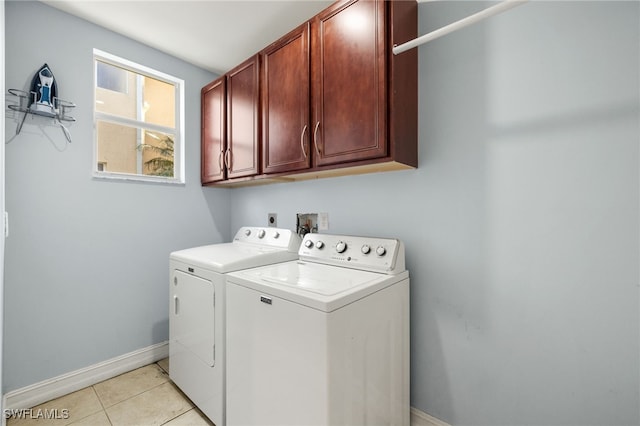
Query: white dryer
{"x": 323, "y": 340}
{"x": 197, "y": 309}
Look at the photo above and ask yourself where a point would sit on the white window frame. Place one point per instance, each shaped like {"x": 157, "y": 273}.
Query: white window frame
{"x": 178, "y": 131}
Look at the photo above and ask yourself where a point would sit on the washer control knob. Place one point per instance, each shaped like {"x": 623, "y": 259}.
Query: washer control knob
{"x": 365, "y": 249}
{"x": 247, "y": 232}
{"x": 319, "y": 244}
{"x": 308, "y": 244}
{"x": 276, "y": 234}
{"x": 261, "y": 233}
{"x": 341, "y": 247}
{"x": 381, "y": 251}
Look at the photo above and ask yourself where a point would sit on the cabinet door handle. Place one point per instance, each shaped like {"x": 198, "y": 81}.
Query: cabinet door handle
{"x": 304, "y": 129}
{"x": 227, "y": 155}
{"x": 220, "y": 161}
{"x": 315, "y": 137}
{"x": 175, "y": 304}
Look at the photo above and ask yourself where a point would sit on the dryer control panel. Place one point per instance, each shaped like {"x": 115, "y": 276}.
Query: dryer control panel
{"x": 268, "y": 237}
{"x": 384, "y": 255}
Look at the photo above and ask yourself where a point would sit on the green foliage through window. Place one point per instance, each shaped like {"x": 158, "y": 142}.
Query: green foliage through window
{"x": 162, "y": 163}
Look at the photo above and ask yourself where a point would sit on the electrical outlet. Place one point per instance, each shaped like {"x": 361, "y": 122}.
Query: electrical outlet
{"x": 323, "y": 221}
{"x": 272, "y": 219}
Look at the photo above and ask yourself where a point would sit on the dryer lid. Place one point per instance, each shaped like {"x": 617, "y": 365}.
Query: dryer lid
{"x": 251, "y": 247}
{"x": 228, "y": 257}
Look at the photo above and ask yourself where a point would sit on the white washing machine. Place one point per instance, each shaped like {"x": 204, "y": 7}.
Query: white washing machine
{"x": 323, "y": 340}
{"x": 197, "y": 317}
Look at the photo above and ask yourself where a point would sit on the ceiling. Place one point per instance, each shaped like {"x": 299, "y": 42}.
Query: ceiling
{"x": 213, "y": 34}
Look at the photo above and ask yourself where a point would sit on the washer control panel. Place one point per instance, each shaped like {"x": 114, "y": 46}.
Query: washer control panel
{"x": 268, "y": 237}
{"x": 366, "y": 253}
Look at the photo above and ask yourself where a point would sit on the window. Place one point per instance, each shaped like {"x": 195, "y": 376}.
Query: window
{"x": 111, "y": 77}
{"x": 138, "y": 122}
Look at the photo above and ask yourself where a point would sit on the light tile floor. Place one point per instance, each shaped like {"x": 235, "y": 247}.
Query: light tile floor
{"x": 142, "y": 397}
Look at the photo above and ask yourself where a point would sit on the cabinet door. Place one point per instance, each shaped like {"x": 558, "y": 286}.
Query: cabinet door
{"x": 241, "y": 157}
{"x": 349, "y": 90}
{"x": 213, "y": 131}
{"x": 285, "y": 103}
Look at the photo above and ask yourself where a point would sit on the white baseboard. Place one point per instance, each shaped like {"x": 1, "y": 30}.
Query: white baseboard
{"x": 420, "y": 418}
{"x": 44, "y": 391}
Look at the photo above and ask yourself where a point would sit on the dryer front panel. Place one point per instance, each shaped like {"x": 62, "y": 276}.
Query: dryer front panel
{"x": 193, "y": 315}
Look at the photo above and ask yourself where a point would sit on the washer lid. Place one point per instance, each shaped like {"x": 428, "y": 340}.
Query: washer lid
{"x": 227, "y": 257}
{"x": 318, "y": 286}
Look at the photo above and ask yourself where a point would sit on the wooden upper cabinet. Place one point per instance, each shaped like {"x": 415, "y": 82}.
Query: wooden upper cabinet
{"x": 328, "y": 99}
{"x": 349, "y": 91}
{"x": 285, "y": 108}
{"x": 243, "y": 143}
{"x": 213, "y": 131}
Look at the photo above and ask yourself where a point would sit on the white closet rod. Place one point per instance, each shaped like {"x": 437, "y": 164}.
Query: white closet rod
{"x": 472, "y": 19}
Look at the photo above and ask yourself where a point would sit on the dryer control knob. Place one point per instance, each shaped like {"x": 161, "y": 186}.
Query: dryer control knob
{"x": 365, "y": 249}
{"x": 308, "y": 244}
{"x": 381, "y": 251}
{"x": 276, "y": 234}
{"x": 341, "y": 247}
{"x": 247, "y": 232}
{"x": 319, "y": 244}
{"x": 261, "y": 233}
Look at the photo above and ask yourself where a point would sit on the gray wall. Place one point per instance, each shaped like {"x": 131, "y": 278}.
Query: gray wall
{"x": 86, "y": 272}
{"x": 521, "y": 222}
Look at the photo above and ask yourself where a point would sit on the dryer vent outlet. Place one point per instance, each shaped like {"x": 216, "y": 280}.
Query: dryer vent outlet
{"x": 272, "y": 219}
{"x": 306, "y": 222}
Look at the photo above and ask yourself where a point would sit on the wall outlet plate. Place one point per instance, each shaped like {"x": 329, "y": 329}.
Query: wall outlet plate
{"x": 323, "y": 221}
{"x": 272, "y": 219}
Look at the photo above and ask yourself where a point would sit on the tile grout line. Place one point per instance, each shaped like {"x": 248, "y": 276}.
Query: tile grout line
{"x": 192, "y": 406}
{"x": 137, "y": 394}
{"x": 104, "y": 410}
{"x": 181, "y": 414}
{"x": 134, "y": 396}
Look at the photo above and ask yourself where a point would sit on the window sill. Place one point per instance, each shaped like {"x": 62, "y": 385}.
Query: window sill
{"x": 124, "y": 177}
